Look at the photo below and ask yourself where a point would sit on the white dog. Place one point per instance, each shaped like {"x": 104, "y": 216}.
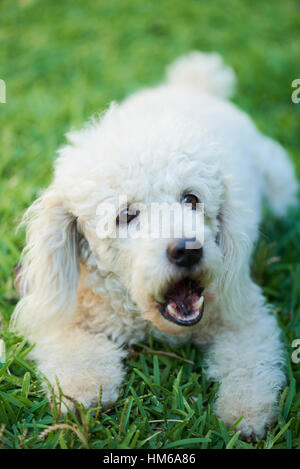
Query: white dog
{"x": 85, "y": 296}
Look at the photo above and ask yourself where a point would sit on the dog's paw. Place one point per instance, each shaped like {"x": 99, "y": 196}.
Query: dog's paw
{"x": 256, "y": 416}
{"x": 85, "y": 389}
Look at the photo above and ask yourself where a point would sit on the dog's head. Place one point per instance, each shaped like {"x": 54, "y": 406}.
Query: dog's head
{"x": 111, "y": 182}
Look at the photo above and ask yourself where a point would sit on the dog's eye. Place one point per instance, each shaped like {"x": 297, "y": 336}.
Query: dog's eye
{"x": 191, "y": 199}
{"x": 126, "y": 216}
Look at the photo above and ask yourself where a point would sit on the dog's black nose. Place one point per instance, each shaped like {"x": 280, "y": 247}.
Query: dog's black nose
{"x": 183, "y": 255}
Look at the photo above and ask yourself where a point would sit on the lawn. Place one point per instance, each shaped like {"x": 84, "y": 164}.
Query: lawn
{"x": 63, "y": 62}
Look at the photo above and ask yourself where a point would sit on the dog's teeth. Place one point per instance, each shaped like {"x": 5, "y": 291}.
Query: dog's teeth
{"x": 199, "y": 303}
{"x": 171, "y": 310}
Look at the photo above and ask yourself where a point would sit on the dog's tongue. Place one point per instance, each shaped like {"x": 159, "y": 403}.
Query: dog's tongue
{"x": 184, "y": 305}
{"x": 180, "y": 292}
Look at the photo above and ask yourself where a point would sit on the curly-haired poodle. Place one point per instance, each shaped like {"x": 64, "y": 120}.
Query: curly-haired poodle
{"x": 84, "y": 295}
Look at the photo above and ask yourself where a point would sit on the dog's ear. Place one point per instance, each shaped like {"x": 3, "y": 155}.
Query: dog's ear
{"x": 236, "y": 233}
{"x": 49, "y": 274}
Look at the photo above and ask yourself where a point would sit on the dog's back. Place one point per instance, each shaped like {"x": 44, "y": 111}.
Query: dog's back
{"x": 197, "y": 88}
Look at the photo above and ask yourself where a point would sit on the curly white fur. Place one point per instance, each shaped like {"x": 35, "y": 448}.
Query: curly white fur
{"x": 84, "y": 298}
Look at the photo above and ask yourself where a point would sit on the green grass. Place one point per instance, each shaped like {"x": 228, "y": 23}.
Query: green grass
{"x": 62, "y": 62}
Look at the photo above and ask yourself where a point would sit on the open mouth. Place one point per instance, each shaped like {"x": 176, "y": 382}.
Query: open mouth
{"x": 184, "y": 303}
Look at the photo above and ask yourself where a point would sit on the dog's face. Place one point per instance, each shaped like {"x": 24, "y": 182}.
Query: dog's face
{"x": 172, "y": 281}
{"x": 169, "y": 274}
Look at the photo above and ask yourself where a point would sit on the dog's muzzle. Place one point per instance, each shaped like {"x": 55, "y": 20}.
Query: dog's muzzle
{"x": 184, "y": 303}
{"x": 179, "y": 254}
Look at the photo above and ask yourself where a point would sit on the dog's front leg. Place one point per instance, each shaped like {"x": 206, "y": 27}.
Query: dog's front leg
{"x": 247, "y": 359}
{"x": 82, "y": 362}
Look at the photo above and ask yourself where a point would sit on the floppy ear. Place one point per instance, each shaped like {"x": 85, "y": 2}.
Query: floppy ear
{"x": 237, "y": 231}
{"x": 49, "y": 274}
